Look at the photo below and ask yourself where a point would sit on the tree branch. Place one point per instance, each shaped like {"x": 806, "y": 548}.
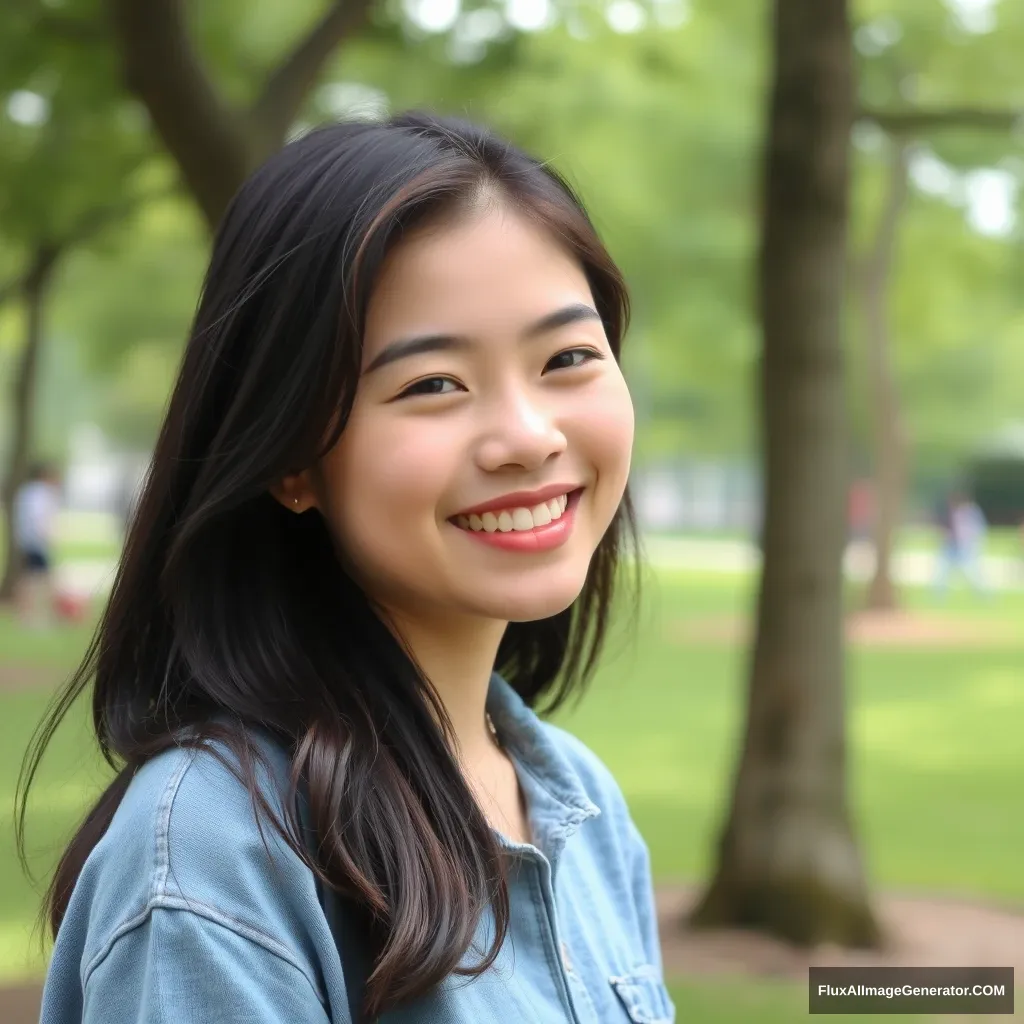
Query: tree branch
{"x": 75, "y": 30}
{"x": 89, "y": 224}
{"x": 11, "y": 287}
{"x": 287, "y": 85}
{"x": 96, "y": 219}
{"x": 160, "y": 66}
{"x": 913, "y": 122}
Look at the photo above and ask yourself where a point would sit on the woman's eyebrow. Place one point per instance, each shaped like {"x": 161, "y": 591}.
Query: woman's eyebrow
{"x": 574, "y": 313}
{"x": 403, "y": 348}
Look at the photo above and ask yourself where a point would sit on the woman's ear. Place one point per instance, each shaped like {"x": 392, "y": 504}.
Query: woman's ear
{"x": 295, "y": 492}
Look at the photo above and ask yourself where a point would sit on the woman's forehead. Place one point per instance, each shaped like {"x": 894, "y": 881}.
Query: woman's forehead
{"x": 497, "y": 271}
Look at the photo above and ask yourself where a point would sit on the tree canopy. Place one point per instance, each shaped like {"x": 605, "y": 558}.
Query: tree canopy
{"x": 652, "y": 111}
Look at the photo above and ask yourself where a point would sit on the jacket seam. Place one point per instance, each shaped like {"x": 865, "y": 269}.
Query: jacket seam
{"x": 163, "y": 826}
{"x": 156, "y": 973}
{"x": 240, "y": 928}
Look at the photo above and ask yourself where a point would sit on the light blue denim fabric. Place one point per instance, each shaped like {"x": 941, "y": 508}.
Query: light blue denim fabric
{"x": 183, "y": 916}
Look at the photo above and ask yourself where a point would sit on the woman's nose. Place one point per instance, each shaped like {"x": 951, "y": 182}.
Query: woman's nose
{"x": 523, "y": 433}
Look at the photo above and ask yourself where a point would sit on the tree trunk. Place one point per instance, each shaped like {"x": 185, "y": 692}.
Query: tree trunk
{"x": 891, "y": 448}
{"x": 213, "y": 144}
{"x": 34, "y": 289}
{"x": 788, "y": 862}
{"x": 207, "y": 140}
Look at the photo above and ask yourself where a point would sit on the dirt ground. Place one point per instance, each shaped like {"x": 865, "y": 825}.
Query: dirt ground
{"x": 19, "y": 1004}
{"x": 922, "y": 932}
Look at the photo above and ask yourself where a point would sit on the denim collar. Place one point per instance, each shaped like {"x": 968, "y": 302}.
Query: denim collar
{"x": 556, "y": 798}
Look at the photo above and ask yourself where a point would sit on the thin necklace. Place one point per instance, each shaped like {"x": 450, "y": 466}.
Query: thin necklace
{"x": 491, "y": 729}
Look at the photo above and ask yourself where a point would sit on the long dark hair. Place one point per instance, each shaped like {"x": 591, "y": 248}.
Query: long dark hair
{"x": 225, "y": 609}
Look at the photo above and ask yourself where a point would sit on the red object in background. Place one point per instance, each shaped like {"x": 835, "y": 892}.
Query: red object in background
{"x": 70, "y": 607}
{"x": 861, "y": 507}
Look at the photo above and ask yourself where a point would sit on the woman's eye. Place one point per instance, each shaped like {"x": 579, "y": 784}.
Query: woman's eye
{"x": 572, "y": 357}
{"x": 431, "y": 386}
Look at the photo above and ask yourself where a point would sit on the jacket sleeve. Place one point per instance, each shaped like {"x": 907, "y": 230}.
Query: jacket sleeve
{"x": 181, "y": 967}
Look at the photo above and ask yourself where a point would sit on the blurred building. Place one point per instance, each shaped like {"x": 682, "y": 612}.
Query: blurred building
{"x": 697, "y": 496}
{"x": 99, "y": 476}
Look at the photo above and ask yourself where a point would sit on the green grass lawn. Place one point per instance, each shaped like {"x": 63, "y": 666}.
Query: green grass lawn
{"x": 936, "y": 750}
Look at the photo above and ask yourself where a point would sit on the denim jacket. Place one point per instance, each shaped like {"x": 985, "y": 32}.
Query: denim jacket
{"x": 182, "y": 914}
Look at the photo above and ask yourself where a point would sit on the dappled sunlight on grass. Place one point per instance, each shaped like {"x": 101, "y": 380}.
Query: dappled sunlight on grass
{"x": 941, "y": 730}
{"x": 653, "y": 771}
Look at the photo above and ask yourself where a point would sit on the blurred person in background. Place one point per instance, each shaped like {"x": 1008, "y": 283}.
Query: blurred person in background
{"x": 860, "y": 511}
{"x": 36, "y": 504}
{"x": 964, "y": 529}
{"x": 382, "y": 523}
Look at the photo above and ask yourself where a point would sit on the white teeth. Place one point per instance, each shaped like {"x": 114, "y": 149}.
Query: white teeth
{"x": 522, "y": 519}
{"x": 511, "y": 519}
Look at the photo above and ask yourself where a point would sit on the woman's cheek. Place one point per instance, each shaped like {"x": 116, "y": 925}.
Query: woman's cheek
{"x": 398, "y": 470}
{"x": 606, "y": 425}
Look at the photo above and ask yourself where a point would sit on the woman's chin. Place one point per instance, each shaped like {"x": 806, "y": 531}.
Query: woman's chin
{"x": 531, "y": 604}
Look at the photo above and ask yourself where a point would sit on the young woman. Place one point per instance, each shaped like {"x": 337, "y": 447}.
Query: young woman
{"x": 381, "y": 525}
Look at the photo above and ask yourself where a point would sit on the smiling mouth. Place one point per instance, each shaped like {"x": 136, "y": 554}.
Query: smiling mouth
{"x": 519, "y": 519}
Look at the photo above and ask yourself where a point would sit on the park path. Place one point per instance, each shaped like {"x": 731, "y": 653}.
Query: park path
{"x": 910, "y": 568}
{"x": 88, "y": 576}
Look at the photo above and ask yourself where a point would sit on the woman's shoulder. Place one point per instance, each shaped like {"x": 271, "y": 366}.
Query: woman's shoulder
{"x": 187, "y": 836}
{"x": 192, "y": 799}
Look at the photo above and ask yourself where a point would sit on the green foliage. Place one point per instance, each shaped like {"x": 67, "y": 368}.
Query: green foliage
{"x": 957, "y": 317}
{"x": 658, "y": 128}
{"x": 69, "y": 139}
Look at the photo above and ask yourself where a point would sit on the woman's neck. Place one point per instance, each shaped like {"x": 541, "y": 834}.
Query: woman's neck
{"x": 458, "y": 659}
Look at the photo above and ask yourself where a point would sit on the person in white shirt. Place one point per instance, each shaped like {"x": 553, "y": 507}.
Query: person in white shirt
{"x": 964, "y": 530}
{"x": 35, "y": 512}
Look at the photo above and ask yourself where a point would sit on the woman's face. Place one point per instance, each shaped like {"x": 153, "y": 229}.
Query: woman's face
{"x": 489, "y": 444}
